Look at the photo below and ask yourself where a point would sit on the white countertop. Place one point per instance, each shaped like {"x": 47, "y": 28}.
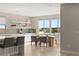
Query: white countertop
{"x": 2, "y": 36}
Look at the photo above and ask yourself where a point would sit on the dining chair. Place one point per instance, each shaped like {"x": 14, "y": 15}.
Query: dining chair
{"x": 34, "y": 39}
{"x": 43, "y": 40}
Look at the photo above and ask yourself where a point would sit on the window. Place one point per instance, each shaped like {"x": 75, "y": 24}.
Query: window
{"x": 40, "y": 24}
{"x": 43, "y": 26}
{"x": 55, "y": 25}
{"x": 59, "y": 24}
{"x": 2, "y": 28}
{"x": 46, "y": 23}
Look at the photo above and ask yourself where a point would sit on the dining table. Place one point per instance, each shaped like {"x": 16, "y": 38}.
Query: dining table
{"x": 50, "y": 40}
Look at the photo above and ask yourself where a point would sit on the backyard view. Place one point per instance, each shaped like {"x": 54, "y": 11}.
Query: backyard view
{"x": 49, "y": 26}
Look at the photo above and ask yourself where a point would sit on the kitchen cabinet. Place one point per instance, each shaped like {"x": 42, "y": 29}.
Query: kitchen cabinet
{"x": 28, "y": 37}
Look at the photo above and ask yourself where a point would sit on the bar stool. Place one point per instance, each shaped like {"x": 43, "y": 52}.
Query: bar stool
{"x": 7, "y": 43}
{"x": 20, "y": 45}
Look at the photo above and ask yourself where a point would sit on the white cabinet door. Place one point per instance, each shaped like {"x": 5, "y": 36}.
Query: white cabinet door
{"x": 27, "y": 38}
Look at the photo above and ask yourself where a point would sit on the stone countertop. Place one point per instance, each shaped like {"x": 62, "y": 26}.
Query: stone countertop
{"x": 2, "y": 36}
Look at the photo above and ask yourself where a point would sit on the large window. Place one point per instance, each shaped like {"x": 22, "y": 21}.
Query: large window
{"x": 2, "y": 28}
{"x": 44, "y": 26}
{"x": 55, "y": 25}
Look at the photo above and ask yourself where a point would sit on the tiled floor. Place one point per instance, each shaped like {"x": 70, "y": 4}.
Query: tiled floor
{"x": 41, "y": 51}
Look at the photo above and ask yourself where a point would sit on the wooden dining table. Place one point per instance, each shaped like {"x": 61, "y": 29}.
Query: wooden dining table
{"x": 52, "y": 41}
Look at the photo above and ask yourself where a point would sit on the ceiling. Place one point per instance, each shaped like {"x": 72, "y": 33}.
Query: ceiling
{"x": 30, "y": 9}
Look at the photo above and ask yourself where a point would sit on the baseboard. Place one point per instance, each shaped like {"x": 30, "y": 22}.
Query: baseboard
{"x": 69, "y": 53}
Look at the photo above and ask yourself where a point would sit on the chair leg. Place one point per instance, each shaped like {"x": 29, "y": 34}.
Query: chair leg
{"x": 35, "y": 43}
{"x": 40, "y": 44}
{"x": 31, "y": 43}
